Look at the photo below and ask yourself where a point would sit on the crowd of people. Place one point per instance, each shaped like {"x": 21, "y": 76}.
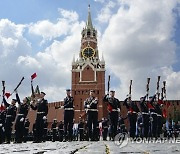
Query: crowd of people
{"x": 144, "y": 120}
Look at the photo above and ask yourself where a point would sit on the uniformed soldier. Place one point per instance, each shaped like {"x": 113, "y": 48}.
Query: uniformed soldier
{"x": 45, "y": 129}
{"x": 158, "y": 108}
{"x": 153, "y": 117}
{"x": 68, "y": 115}
{"x": 61, "y": 131}
{"x": 2, "y": 125}
{"x": 90, "y": 105}
{"x": 22, "y": 113}
{"x": 34, "y": 133}
{"x": 122, "y": 127}
{"x": 114, "y": 109}
{"x": 54, "y": 130}
{"x": 132, "y": 115}
{"x": 104, "y": 128}
{"x": 26, "y": 129}
{"x": 41, "y": 106}
{"x": 145, "y": 116}
{"x": 97, "y": 136}
{"x": 86, "y": 136}
{"x": 81, "y": 130}
{"x": 10, "y": 117}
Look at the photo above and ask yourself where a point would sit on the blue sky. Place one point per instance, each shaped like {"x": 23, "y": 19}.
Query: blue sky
{"x": 27, "y": 11}
{"x": 137, "y": 40}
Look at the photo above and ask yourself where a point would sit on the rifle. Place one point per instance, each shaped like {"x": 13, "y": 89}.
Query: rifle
{"x": 147, "y": 87}
{"x": 159, "y": 77}
{"x": 18, "y": 85}
{"x": 130, "y": 87}
{"x": 162, "y": 93}
{"x": 32, "y": 90}
{"x": 164, "y": 88}
{"x": 3, "y": 90}
{"x": 109, "y": 107}
{"x": 109, "y": 78}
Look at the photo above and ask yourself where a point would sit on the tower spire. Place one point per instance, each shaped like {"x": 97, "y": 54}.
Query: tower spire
{"x": 89, "y": 21}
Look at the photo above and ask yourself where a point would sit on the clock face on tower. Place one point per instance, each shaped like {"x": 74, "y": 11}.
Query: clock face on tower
{"x": 88, "y": 52}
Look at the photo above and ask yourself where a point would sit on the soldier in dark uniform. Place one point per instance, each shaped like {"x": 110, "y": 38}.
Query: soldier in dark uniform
{"x": 54, "y": 130}
{"x": 132, "y": 115}
{"x": 68, "y": 116}
{"x": 2, "y": 124}
{"x": 90, "y": 105}
{"x": 104, "y": 128}
{"x": 86, "y": 136}
{"x": 158, "y": 108}
{"x": 45, "y": 129}
{"x": 97, "y": 136}
{"x": 26, "y": 129}
{"x": 1, "y": 127}
{"x": 122, "y": 127}
{"x": 34, "y": 132}
{"x": 10, "y": 117}
{"x": 81, "y": 130}
{"x": 61, "y": 131}
{"x": 145, "y": 116}
{"x": 153, "y": 117}
{"x": 41, "y": 106}
{"x": 22, "y": 113}
{"x": 114, "y": 109}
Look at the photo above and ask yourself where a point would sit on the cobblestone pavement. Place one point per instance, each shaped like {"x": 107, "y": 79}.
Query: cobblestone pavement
{"x": 101, "y": 147}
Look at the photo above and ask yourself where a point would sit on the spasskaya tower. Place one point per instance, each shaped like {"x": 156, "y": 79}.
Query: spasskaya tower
{"x": 88, "y": 71}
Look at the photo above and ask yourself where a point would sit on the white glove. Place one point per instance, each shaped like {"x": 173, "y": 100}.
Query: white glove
{"x": 44, "y": 118}
{"x": 62, "y": 107}
{"x": 0, "y": 125}
{"x": 88, "y": 106}
{"x": 139, "y": 113}
{"x": 22, "y": 119}
{"x": 119, "y": 110}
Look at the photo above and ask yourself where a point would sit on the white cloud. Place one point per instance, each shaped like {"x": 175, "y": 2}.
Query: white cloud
{"x": 138, "y": 43}
{"x": 106, "y": 12}
{"x": 48, "y": 30}
{"x": 100, "y": 1}
{"x": 53, "y": 64}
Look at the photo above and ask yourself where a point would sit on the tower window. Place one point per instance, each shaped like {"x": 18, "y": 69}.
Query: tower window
{"x": 88, "y": 33}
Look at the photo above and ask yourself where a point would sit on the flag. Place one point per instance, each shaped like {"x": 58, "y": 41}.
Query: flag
{"x": 160, "y": 102}
{"x": 2, "y": 108}
{"x": 150, "y": 106}
{"x": 164, "y": 113}
{"x": 33, "y": 76}
{"x": 7, "y": 95}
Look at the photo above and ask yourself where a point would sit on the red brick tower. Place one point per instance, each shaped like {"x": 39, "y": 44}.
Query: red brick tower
{"x": 88, "y": 71}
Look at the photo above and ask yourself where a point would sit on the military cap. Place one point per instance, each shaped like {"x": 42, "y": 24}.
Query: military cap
{"x": 43, "y": 93}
